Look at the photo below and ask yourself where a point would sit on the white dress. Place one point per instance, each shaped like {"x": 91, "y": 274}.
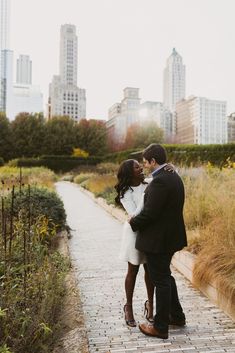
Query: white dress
{"x": 132, "y": 202}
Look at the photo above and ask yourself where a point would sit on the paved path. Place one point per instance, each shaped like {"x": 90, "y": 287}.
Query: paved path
{"x": 94, "y": 248}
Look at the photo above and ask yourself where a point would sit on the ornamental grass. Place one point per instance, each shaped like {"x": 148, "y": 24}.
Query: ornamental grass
{"x": 35, "y": 176}
{"x": 210, "y": 220}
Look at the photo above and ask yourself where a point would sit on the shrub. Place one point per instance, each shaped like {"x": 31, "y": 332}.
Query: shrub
{"x": 61, "y": 164}
{"x": 41, "y": 202}
{"x": 67, "y": 177}
{"x": 190, "y": 155}
{"x": 1, "y": 162}
{"x": 80, "y": 178}
{"x": 107, "y": 168}
{"x": 78, "y": 152}
{"x": 32, "y": 287}
{"x": 108, "y": 194}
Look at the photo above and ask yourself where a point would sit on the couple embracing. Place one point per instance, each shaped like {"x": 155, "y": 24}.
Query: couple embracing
{"x": 154, "y": 232}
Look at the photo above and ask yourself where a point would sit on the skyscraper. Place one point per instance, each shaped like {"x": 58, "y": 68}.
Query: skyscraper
{"x": 5, "y": 24}
{"x": 201, "y": 121}
{"x": 68, "y": 55}
{"x": 22, "y": 96}
{"x": 24, "y": 70}
{"x": 6, "y": 90}
{"x": 65, "y": 98}
{"x": 174, "y": 81}
{"x": 4, "y": 54}
{"x": 122, "y": 115}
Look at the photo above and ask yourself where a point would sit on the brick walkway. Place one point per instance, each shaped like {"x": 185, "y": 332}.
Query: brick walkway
{"x": 94, "y": 250}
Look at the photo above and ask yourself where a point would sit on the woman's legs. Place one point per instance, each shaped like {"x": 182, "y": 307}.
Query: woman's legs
{"x": 150, "y": 293}
{"x": 129, "y": 288}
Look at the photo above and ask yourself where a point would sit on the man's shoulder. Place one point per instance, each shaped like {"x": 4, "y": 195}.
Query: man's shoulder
{"x": 165, "y": 177}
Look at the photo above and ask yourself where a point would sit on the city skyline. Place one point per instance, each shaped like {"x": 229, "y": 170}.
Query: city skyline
{"x": 126, "y": 43}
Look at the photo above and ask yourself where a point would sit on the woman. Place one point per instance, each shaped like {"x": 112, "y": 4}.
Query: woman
{"x": 130, "y": 192}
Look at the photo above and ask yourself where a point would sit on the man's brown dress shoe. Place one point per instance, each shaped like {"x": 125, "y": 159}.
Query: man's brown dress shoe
{"x": 150, "y": 330}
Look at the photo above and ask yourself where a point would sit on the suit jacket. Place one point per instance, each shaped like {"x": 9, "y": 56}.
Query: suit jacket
{"x": 160, "y": 224}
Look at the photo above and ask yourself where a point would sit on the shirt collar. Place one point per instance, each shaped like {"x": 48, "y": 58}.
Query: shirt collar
{"x": 159, "y": 168}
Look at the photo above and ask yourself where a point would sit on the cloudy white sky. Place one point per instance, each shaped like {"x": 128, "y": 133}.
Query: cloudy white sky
{"x": 126, "y": 43}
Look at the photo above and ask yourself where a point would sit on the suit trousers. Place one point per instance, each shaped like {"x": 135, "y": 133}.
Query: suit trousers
{"x": 167, "y": 300}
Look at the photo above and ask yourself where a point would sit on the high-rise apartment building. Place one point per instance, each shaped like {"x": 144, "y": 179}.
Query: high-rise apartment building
{"x": 131, "y": 111}
{"x": 201, "y": 121}
{"x": 65, "y": 98}
{"x": 174, "y": 81}
{"x": 157, "y": 113}
{"x": 22, "y": 96}
{"x": 231, "y": 127}
{"x": 6, "y": 91}
{"x": 122, "y": 115}
{"x": 4, "y": 55}
{"x": 24, "y": 70}
{"x": 5, "y": 24}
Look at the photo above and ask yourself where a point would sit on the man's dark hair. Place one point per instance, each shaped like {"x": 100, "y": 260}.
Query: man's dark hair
{"x": 155, "y": 151}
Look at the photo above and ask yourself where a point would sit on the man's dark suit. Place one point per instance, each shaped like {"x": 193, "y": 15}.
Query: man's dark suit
{"x": 161, "y": 232}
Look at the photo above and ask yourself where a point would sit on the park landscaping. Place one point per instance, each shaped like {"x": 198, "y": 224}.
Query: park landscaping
{"x": 32, "y": 271}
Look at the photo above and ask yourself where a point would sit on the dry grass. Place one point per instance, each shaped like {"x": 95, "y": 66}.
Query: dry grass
{"x": 100, "y": 183}
{"x": 80, "y": 178}
{"x": 39, "y": 176}
{"x": 107, "y": 168}
{"x": 210, "y": 219}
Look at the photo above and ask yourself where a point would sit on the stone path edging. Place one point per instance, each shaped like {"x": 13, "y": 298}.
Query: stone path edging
{"x": 183, "y": 261}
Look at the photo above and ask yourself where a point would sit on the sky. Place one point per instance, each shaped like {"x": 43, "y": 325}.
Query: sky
{"x": 125, "y": 43}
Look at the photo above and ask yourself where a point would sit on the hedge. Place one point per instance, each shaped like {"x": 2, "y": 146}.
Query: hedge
{"x": 55, "y": 163}
{"x": 190, "y": 155}
{"x": 43, "y": 202}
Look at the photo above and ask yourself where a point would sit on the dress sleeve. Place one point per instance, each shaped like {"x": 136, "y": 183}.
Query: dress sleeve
{"x": 139, "y": 206}
{"x": 128, "y": 203}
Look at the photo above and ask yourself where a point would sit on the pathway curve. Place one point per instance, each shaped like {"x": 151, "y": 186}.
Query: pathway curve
{"x": 94, "y": 250}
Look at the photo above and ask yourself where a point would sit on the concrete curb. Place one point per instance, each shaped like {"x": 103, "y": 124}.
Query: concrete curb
{"x": 183, "y": 261}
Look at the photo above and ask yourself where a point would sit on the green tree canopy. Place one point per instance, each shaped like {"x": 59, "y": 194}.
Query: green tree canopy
{"x": 28, "y": 133}
{"x": 5, "y": 137}
{"x": 92, "y": 137}
{"x": 60, "y": 136}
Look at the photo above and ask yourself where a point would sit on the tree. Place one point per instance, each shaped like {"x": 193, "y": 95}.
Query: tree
{"x": 92, "y": 136}
{"x": 60, "y": 136}
{"x": 140, "y": 136}
{"x": 28, "y": 134}
{"x": 5, "y": 138}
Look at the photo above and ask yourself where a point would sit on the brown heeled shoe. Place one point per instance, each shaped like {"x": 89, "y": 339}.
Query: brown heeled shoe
{"x": 131, "y": 322}
{"x": 146, "y": 312}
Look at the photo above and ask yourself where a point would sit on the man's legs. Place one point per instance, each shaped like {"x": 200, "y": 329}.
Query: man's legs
{"x": 167, "y": 301}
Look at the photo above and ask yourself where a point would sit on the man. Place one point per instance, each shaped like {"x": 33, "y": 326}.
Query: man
{"x": 161, "y": 232}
